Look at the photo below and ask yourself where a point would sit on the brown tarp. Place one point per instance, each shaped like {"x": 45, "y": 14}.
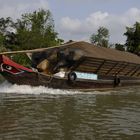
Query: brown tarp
{"x": 106, "y": 61}
{"x": 105, "y": 53}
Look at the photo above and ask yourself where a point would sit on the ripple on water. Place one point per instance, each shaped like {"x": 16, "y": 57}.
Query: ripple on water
{"x": 41, "y": 113}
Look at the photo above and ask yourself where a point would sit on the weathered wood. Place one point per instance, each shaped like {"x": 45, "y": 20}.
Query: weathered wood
{"x": 131, "y": 70}
{"x": 96, "y": 63}
{"x": 120, "y": 68}
{"x": 100, "y": 66}
{"x": 136, "y": 71}
{"x": 111, "y": 68}
{"x": 36, "y": 50}
{"x": 108, "y": 63}
{"x": 35, "y": 79}
{"x": 81, "y": 60}
{"x": 123, "y": 65}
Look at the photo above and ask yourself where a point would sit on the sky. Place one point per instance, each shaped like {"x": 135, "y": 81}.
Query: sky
{"x": 78, "y": 19}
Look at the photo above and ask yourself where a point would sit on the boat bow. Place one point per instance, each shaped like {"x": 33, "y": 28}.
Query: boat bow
{"x": 7, "y": 65}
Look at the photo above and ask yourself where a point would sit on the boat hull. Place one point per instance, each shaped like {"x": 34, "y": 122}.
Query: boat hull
{"x": 38, "y": 79}
{"x": 18, "y": 74}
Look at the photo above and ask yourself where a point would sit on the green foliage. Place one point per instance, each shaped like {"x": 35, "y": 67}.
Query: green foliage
{"x": 1, "y": 39}
{"x": 101, "y": 38}
{"x": 119, "y": 47}
{"x": 21, "y": 59}
{"x": 36, "y": 30}
{"x": 32, "y": 30}
{"x": 2, "y": 48}
{"x": 133, "y": 38}
{"x": 5, "y": 23}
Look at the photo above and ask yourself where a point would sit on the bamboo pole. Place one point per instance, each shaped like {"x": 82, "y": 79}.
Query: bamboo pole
{"x": 36, "y": 50}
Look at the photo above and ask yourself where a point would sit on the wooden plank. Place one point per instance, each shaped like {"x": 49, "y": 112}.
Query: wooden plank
{"x": 121, "y": 68}
{"x": 87, "y": 70}
{"x": 86, "y": 67}
{"x": 38, "y": 50}
{"x": 137, "y": 69}
{"x": 100, "y": 66}
{"x": 111, "y": 68}
{"x": 90, "y": 65}
{"x": 127, "y": 72}
{"x": 112, "y": 60}
{"x": 118, "y": 67}
{"x": 98, "y": 63}
{"x": 81, "y": 60}
{"x": 131, "y": 70}
{"x": 138, "y": 75}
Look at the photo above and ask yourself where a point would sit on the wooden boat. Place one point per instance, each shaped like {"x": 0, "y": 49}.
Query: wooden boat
{"x": 84, "y": 67}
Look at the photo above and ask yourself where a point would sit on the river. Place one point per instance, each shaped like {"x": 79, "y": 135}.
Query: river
{"x": 39, "y": 113}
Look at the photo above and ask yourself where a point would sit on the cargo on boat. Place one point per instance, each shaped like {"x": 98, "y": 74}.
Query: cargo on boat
{"x": 76, "y": 65}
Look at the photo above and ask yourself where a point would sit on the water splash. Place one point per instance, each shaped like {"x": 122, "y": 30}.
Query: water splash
{"x": 7, "y": 87}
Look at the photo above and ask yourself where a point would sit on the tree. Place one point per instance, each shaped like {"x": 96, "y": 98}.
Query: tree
{"x": 119, "y": 47}
{"x": 5, "y": 24}
{"x": 101, "y": 38}
{"x": 1, "y": 43}
{"x": 133, "y": 38}
{"x": 36, "y": 30}
{"x": 31, "y": 31}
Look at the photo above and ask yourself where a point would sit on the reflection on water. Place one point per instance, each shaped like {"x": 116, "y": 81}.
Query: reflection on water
{"x": 41, "y": 113}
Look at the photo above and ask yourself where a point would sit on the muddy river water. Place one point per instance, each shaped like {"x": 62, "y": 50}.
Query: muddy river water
{"x": 39, "y": 113}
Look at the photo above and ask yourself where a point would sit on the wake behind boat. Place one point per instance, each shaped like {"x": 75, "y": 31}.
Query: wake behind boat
{"x": 76, "y": 65}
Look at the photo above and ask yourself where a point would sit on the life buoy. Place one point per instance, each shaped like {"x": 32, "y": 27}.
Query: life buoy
{"x": 72, "y": 77}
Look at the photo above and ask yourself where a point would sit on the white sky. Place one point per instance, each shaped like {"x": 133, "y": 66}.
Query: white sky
{"x": 78, "y": 19}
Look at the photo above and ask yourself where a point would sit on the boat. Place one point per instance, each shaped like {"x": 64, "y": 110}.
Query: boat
{"x": 75, "y": 65}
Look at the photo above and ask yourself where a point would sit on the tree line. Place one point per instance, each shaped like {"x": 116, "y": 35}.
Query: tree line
{"x": 37, "y": 30}
{"x": 31, "y": 31}
{"x": 132, "y": 44}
